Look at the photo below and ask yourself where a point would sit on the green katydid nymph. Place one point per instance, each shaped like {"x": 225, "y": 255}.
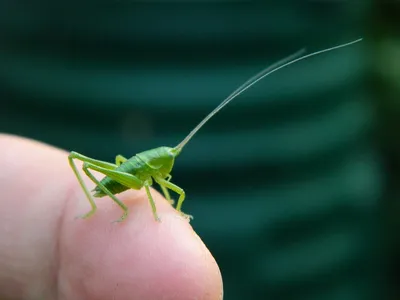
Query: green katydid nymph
{"x": 156, "y": 164}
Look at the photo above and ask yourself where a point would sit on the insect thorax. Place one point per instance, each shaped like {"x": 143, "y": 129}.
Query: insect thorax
{"x": 159, "y": 160}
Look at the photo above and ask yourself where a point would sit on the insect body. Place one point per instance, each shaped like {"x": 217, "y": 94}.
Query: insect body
{"x": 133, "y": 173}
{"x": 156, "y": 164}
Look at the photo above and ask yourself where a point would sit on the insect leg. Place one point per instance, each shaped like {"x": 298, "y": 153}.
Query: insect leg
{"x": 176, "y": 189}
{"x": 119, "y": 159}
{"x": 83, "y": 186}
{"x": 104, "y": 164}
{"x": 167, "y": 195}
{"x": 123, "y": 178}
{"x": 151, "y": 200}
{"x": 127, "y": 180}
{"x": 74, "y": 155}
{"x": 86, "y": 167}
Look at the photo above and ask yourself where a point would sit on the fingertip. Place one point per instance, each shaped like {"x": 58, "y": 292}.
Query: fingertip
{"x": 138, "y": 258}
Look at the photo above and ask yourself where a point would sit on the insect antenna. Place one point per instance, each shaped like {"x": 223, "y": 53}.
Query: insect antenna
{"x": 253, "y": 80}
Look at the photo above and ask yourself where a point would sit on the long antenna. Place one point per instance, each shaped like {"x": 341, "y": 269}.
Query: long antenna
{"x": 253, "y": 80}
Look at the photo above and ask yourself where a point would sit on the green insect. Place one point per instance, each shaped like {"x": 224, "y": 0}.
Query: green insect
{"x": 156, "y": 164}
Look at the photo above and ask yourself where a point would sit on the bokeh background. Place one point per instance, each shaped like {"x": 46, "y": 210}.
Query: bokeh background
{"x": 294, "y": 186}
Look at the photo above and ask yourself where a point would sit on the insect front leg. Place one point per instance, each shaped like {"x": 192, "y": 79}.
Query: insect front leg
{"x": 176, "y": 189}
{"x": 74, "y": 155}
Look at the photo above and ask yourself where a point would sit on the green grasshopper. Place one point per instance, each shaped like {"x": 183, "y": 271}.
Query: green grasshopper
{"x": 156, "y": 164}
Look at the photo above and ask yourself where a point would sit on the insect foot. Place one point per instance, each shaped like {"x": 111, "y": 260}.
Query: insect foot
{"x": 87, "y": 215}
{"x": 187, "y": 217}
{"x": 123, "y": 217}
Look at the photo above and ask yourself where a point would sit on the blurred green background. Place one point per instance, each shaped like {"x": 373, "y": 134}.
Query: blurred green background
{"x": 294, "y": 185}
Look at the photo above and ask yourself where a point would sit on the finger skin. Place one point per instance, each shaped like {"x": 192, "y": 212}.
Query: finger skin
{"x": 45, "y": 253}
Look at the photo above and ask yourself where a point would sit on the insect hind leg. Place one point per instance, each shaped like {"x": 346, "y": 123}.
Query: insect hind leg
{"x": 127, "y": 180}
{"x": 86, "y": 167}
{"x": 100, "y": 163}
{"x": 84, "y": 188}
{"x": 74, "y": 155}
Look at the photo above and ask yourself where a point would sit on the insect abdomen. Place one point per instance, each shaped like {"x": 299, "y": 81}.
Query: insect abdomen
{"x": 113, "y": 186}
{"x": 132, "y": 166}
